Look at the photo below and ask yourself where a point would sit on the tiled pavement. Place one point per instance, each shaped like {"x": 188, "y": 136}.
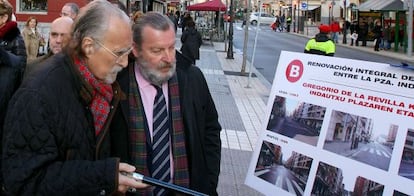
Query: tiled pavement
{"x": 241, "y": 111}
{"x": 241, "y": 103}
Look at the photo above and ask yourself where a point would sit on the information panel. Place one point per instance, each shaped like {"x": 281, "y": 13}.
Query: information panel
{"x": 336, "y": 126}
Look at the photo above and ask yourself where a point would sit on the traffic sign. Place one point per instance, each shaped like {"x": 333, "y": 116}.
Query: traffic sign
{"x": 304, "y": 5}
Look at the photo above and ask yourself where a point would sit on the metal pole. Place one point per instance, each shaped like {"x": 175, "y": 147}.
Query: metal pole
{"x": 294, "y": 18}
{"x": 307, "y": 17}
{"x": 344, "y": 26}
{"x": 254, "y": 45}
{"x": 410, "y": 29}
{"x": 246, "y": 37}
{"x": 230, "y": 49}
{"x": 298, "y": 18}
{"x": 226, "y": 27}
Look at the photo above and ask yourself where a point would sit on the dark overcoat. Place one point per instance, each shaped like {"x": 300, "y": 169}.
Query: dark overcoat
{"x": 201, "y": 126}
{"x": 50, "y": 147}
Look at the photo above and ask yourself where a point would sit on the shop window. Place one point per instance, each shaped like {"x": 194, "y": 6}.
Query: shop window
{"x": 31, "y": 6}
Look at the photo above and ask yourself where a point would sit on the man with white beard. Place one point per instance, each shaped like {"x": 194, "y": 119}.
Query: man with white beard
{"x": 167, "y": 126}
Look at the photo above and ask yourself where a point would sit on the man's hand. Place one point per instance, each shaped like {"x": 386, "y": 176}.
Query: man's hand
{"x": 126, "y": 182}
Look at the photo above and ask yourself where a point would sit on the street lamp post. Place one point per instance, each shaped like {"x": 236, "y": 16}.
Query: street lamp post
{"x": 294, "y": 18}
{"x": 230, "y": 49}
{"x": 345, "y": 25}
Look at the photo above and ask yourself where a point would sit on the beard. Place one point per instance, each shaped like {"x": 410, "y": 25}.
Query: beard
{"x": 152, "y": 74}
{"x": 111, "y": 76}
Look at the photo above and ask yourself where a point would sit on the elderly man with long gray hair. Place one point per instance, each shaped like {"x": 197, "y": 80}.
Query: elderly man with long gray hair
{"x": 56, "y": 137}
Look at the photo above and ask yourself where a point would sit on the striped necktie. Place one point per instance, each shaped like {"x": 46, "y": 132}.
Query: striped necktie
{"x": 160, "y": 168}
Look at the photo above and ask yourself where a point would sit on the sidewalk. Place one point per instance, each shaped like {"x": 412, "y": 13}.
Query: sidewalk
{"x": 311, "y": 31}
{"x": 241, "y": 110}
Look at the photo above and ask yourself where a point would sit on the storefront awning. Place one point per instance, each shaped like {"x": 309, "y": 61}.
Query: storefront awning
{"x": 382, "y": 5}
{"x": 311, "y": 7}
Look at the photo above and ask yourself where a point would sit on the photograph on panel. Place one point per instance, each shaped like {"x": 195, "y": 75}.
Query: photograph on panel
{"x": 398, "y": 193}
{"x": 287, "y": 170}
{"x": 367, "y": 187}
{"x": 407, "y": 159}
{"x": 331, "y": 180}
{"x": 298, "y": 120}
{"x": 361, "y": 139}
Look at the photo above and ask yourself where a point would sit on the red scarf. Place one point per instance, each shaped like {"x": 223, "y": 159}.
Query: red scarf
{"x": 7, "y": 27}
{"x": 102, "y": 96}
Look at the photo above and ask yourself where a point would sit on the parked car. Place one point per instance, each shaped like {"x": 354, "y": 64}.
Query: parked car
{"x": 264, "y": 18}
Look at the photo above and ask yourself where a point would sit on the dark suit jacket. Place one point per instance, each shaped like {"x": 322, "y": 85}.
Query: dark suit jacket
{"x": 202, "y": 129}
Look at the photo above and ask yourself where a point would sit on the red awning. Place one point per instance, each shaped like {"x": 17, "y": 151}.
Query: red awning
{"x": 213, "y": 5}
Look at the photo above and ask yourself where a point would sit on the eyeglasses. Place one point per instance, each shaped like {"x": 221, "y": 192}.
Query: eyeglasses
{"x": 64, "y": 14}
{"x": 117, "y": 55}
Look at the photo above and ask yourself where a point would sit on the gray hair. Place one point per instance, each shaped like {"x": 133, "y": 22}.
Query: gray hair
{"x": 93, "y": 22}
{"x": 74, "y": 7}
{"x": 154, "y": 20}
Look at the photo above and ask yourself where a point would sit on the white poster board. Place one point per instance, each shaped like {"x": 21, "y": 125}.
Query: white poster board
{"x": 336, "y": 127}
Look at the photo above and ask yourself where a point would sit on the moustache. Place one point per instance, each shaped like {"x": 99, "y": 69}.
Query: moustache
{"x": 165, "y": 65}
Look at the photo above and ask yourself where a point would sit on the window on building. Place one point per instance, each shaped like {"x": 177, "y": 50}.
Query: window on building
{"x": 32, "y": 6}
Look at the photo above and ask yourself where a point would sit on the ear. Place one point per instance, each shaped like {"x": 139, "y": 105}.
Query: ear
{"x": 88, "y": 46}
{"x": 135, "y": 50}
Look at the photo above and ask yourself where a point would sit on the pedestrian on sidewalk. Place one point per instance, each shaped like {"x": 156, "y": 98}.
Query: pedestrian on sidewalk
{"x": 321, "y": 44}
{"x": 387, "y": 37}
{"x": 59, "y": 37}
{"x": 33, "y": 40}
{"x": 288, "y": 23}
{"x": 354, "y": 28}
{"x": 363, "y": 33}
{"x": 56, "y": 137}
{"x": 192, "y": 141}
{"x": 191, "y": 42}
{"x": 377, "y": 34}
{"x": 335, "y": 29}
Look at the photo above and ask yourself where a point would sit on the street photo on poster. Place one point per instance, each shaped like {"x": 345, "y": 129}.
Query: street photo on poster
{"x": 398, "y": 193}
{"x": 285, "y": 169}
{"x": 407, "y": 160}
{"x": 298, "y": 120}
{"x": 331, "y": 180}
{"x": 358, "y": 138}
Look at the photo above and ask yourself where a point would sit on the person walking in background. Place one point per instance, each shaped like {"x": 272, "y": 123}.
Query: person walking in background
{"x": 288, "y": 23}
{"x": 354, "y": 28}
{"x": 282, "y": 23}
{"x": 321, "y": 44}
{"x": 335, "y": 29}
{"x": 32, "y": 39}
{"x": 59, "y": 37}
{"x": 377, "y": 34}
{"x": 191, "y": 42}
{"x": 387, "y": 37}
{"x": 56, "y": 138}
{"x": 187, "y": 17}
{"x": 363, "y": 33}
{"x": 160, "y": 76}
{"x": 173, "y": 19}
{"x": 70, "y": 9}
{"x": 12, "y": 63}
